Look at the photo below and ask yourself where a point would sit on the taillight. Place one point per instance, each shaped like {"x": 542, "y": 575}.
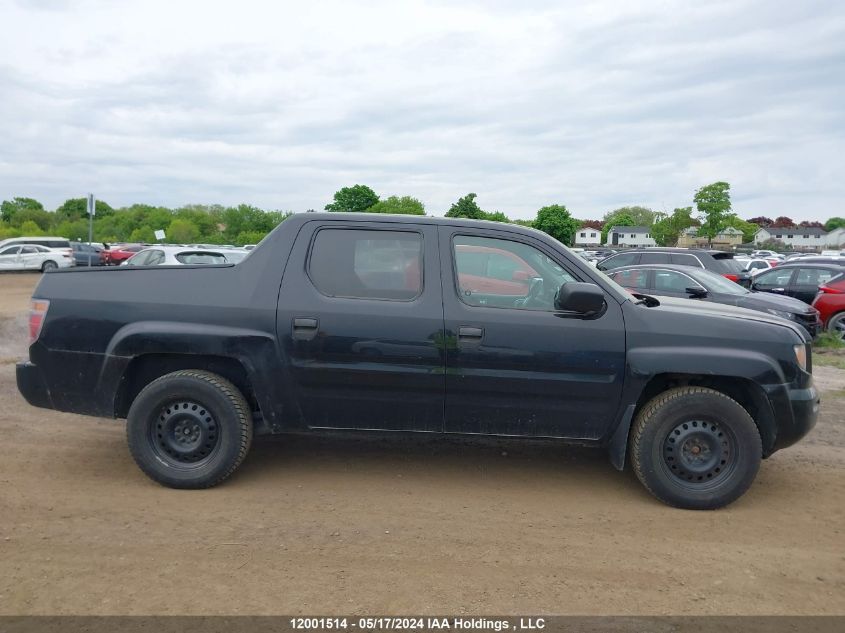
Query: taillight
{"x": 830, "y": 290}
{"x": 37, "y": 313}
{"x": 731, "y": 276}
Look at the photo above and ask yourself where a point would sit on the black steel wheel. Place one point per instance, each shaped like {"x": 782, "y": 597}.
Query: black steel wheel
{"x": 185, "y": 433}
{"x": 695, "y": 448}
{"x": 189, "y": 429}
{"x": 699, "y": 453}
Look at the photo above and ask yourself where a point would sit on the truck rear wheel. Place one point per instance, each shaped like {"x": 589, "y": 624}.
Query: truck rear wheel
{"x": 695, "y": 448}
{"x": 189, "y": 429}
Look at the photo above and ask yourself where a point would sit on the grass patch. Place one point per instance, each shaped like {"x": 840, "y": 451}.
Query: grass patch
{"x": 829, "y": 360}
{"x": 826, "y": 340}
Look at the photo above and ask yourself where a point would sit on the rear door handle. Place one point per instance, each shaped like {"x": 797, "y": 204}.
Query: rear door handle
{"x": 470, "y": 334}
{"x": 304, "y": 328}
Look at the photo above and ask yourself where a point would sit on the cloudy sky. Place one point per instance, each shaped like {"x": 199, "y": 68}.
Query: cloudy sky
{"x": 525, "y": 102}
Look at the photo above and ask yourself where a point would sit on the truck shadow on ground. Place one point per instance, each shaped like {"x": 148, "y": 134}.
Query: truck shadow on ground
{"x": 433, "y": 457}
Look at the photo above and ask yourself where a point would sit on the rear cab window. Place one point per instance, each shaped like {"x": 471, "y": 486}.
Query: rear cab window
{"x": 367, "y": 264}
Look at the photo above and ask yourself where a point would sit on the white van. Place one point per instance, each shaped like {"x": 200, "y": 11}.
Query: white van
{"x": 49, "y": 242}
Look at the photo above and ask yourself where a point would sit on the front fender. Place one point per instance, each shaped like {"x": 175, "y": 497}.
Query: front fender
{"x": 646, "y": 362}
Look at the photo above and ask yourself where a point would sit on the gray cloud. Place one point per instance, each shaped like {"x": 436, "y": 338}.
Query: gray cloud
{"x": 524, "y": 103}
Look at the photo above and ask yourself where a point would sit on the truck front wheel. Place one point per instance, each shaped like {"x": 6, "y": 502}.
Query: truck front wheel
{"x": 189, "y": 429}
{"x": 695, "y": 448}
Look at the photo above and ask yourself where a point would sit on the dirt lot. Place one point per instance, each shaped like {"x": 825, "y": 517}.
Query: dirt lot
{"x": 376, "y": 526}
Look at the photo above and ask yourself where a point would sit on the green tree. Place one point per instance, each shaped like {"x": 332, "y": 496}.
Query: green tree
{"x": 10, "y": 208}
{"x": 182, "y": 231}
{"x": 713, "y": 203}
{"x": 496, "y": 216}
{"x": 667, "y": 228}
{"x": 394, "y": 204}
{"x": 557, "y": 222}
{"x": 642, "y": 216}
{"x": 528, "y": 223}
{"x": 77, "y": 208}
{"x": 616, "y": 218}
{"x": 142, "y": 234}
{"x": 466, "y": 207}
{"x": 749, "y": 229}
{"x": 834, "y": 223}
{"x": 30, "y": 228}
{"x": 77, "y": 230}
{"x": 353, "y": 199}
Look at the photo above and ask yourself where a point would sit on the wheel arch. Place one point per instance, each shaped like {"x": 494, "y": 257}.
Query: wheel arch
{"x": 746, "y": 392}
{"x": 247, "y": 358}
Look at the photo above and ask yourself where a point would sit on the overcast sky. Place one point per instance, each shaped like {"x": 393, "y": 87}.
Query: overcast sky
{"x": 525, "y": 103}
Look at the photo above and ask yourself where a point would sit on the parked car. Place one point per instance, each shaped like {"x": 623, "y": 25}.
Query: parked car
{"x": 830, "y": 302}
{"x": 754, "y": 266}
{"x": 175, "y": 256}
{"x": 764, "y": 254}
{"x": 800, "y": 280}
{"x": 719, "y": 262}
{"x": 116, "y": 254}
{"x": 33, "y": 257}
{"x": 87, "y": 254}
{"x": 691, "y": 282}
{"x": 48, "y": 242}
{"x": 200, "y": 359}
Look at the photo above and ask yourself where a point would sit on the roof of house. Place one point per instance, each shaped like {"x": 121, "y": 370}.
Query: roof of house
{"x": 589, "y": 228}
{"x": 630, "y": 229}
{"x": 794, "y": 230}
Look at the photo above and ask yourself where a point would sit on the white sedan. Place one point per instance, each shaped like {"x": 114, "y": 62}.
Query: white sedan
{"x": 180, "y": 256}
{"x": 34, "y": 257}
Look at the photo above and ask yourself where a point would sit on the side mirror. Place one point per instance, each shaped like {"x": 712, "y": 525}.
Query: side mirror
{"x": 696, "y": 293}
{"x": 583, "y": 298}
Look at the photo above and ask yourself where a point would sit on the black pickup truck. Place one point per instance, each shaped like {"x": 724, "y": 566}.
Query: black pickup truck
{"x": 391, "y": 323}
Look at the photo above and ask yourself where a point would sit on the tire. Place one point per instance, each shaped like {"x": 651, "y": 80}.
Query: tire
{"x": 49, "y": 265}
{"x": 836, "y": 325}
{"x": 695, "y": 448}
{"x": 189, "y": 429}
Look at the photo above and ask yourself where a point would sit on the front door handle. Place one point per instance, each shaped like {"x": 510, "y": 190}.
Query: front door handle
{"x": 304, "y": 328}
{"x": 470, "y": 334}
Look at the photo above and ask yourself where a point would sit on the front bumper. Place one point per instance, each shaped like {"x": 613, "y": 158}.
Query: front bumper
{"x": 796, "y": 410}
{"x": 32, "y": 385}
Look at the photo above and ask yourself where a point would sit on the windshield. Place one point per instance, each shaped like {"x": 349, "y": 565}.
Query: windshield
{"x": 717, "y": 283}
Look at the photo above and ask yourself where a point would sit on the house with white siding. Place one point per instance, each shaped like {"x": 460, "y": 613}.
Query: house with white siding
{"x": 798, "y": 237}
{"x": 587, "y": 236}
{"x": 634, "y": 236}
{"x": 836, "y": 238}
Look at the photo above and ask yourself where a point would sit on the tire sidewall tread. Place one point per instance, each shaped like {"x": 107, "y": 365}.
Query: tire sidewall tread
{"x": 230, "y": 409}
{"x": 657, "y": 418}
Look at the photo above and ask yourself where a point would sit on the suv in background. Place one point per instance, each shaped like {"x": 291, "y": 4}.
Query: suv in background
{"x": 719, "y": 262}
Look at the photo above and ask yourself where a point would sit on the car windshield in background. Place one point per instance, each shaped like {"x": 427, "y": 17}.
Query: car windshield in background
{"x": 717, "y": 283}
{"x": 201, "y": 258}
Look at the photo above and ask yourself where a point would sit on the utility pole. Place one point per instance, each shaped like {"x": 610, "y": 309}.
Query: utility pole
{"x": 91, "y": 212}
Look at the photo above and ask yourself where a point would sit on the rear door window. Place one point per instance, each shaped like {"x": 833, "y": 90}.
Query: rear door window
{"x": 367, "y": 264}
{"x": 617, "y": 261}
{"x": 812, "y": 276}
{"x": 654, "y": 258}
{"x": 684, "y": 259}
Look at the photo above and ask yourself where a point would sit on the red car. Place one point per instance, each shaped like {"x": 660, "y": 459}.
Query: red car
{"x": 830, "y": 302}
{"x": 119, "y": 253}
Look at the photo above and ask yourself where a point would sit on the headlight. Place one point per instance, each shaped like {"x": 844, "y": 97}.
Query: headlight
{"x": 781, "y": 313}
{"x": 801, "y": 355}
